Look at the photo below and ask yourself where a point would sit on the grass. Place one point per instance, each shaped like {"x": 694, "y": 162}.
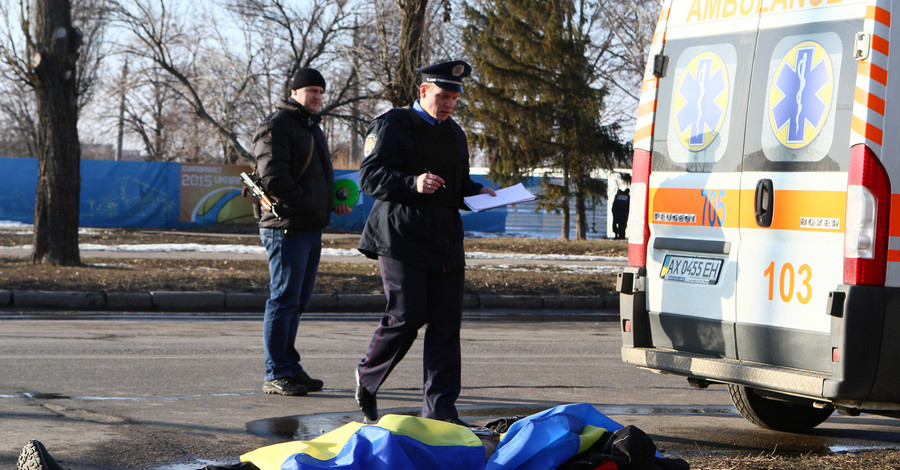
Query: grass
{"x": 140, "y": 274}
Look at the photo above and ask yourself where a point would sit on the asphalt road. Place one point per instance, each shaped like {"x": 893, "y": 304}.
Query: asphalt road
{"x": 167, "y": 394}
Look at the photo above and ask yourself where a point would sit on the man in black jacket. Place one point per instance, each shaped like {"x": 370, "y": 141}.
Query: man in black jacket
{"x": 293, "y": 165}
{"x": 416, "y": 167}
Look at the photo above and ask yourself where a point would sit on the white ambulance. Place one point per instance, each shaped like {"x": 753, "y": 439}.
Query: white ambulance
{"x": 763, "y": 235}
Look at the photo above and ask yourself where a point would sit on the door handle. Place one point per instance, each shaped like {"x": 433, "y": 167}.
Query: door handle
{"x": 765, "y": 198}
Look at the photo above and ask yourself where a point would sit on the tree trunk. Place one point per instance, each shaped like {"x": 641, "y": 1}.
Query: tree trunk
{"x": 565, "y": 200}
{"x": 122, "y": 102}
{"x": 412, "y": 23}
{"x": 580, "y": 214}
{"x": 59, "y": 156}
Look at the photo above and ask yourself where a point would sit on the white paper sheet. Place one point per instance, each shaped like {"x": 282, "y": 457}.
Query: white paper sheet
{"x": 509, "y": 195}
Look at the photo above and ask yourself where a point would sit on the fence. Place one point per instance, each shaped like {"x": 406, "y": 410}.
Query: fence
{"x": 126, "y": 194}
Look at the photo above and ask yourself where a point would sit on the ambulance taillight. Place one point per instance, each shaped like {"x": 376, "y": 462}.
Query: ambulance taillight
{"x": 638, "y": 227}
{"x": 866, "y": 222}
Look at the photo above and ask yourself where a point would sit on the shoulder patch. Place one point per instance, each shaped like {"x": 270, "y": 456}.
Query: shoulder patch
{"x": 370, "y": 144}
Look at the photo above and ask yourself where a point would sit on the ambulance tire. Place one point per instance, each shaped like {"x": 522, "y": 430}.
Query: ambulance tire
{"x": 780, "y": 415}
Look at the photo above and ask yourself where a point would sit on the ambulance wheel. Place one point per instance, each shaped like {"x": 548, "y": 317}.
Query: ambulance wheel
{"x": 780, "y": 415}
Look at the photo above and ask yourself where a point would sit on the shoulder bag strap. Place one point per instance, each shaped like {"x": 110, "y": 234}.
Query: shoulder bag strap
{"x": 312, "y": 143}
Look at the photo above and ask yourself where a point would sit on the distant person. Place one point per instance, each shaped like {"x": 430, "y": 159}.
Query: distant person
{"x": 416, "y": 167}
{"x": 620, "y": 213}
{"x": 293, "y": 165}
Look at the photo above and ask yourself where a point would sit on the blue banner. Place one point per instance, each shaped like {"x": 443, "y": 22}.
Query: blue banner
{"x": 129, "y": 194}
{"x": 125, "y": 194}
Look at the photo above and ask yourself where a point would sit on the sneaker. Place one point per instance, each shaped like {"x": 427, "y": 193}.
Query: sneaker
{"x": 284, "y": 386}
{"x": 311, "y": 384}
{"x": 34, "y": 456}
{"x": 366, "y": 402}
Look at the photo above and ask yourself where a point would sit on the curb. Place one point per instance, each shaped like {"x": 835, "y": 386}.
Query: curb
{"x": 219, "y": 301}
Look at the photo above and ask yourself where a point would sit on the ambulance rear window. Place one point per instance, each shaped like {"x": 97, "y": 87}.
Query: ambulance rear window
{"x": 727, "y": 103}
{"x": 801, "y": 99}
{"x": 701, "y": 104}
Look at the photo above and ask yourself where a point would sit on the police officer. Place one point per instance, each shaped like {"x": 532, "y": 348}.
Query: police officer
{"x": 620, "y": 213}
{"x": 416, "y": 167}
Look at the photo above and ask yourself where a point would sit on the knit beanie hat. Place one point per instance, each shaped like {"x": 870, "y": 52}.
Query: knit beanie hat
{"x": 307, "y": 77}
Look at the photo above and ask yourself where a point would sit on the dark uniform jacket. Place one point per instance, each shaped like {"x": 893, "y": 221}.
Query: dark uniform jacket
{"x": 281, "y": 145}
{"x": 420, "y": 229}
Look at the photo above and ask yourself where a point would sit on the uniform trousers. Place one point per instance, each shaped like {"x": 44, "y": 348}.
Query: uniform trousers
{"x": 417, "y": 297}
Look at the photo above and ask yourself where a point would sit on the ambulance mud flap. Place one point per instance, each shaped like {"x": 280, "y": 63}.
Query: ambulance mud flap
{"x": 867, "y": 329}
{"x": 634, "y": 322}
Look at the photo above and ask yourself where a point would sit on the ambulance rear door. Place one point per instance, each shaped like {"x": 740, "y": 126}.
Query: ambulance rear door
{"x": 794, "y": 181}
{"x": 695, "y": 178}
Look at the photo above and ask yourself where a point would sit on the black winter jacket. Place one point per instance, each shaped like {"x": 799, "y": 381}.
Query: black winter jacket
{"x": 420, "y": 229}
{"x": 281, "y": 145}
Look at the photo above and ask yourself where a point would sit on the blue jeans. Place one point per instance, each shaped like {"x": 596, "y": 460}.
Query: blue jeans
{"x": 293, "y": 263}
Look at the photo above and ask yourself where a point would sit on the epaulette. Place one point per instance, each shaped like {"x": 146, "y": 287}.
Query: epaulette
{"x": 383, "y": 113}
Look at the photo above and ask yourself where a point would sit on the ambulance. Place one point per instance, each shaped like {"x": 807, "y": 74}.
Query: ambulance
{"x": 764, "y": 233}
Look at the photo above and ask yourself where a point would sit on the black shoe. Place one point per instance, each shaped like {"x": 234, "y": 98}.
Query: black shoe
{"x": 284, "y": 386}
{"x": 311, "y": 384}
{"x": 458, "y": 422}
{"x": 367, "y": 402}
{"x": 34, "y": 456}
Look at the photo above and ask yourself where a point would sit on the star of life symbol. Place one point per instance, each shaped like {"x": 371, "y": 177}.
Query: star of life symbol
{"x": 701, "y": 101}
{"x": 800, "y": 95}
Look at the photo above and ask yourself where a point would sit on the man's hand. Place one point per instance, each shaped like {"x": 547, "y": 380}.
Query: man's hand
{"x": 342, "y": 209}
{"x": 428, "y": 183}
{"x": 488, "y": 190}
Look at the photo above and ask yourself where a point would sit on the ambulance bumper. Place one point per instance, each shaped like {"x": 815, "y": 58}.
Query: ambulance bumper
{"x": 864, "y": 340}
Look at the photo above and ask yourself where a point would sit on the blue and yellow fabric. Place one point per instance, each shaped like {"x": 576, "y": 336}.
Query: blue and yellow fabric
{"x": 547, "y": 439}
{"x": 540, "y": 441}
{"x": 397, "y": 442}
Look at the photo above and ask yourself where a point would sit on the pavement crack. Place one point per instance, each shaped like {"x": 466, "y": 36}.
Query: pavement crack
{"x": 83, "y": 414}
{"x": 80, "y": 414}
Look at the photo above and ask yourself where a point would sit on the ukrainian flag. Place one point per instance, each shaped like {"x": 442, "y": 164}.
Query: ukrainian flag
{"x": 547, "y": 439}
{"x": 538, "y": 442}
{"x": 397, "y": 442}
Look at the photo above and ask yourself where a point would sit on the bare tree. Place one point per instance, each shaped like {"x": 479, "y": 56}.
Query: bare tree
{"x": 624, "y": 31}
{"x": 18, "y": 117}
{"x": 412, "y": 23}
{"x": 54, "y": 60}
{"x": 301, "y": 37}
{"x": 91, "y": 17}
{"x": 231, "y": 80}
{"x": 154, "y": 113}
{"x": 404, "y": 39}
{"x": 43, "y": 53}
{"x": 17, "y": 104}
{"x": 160, "y": 36}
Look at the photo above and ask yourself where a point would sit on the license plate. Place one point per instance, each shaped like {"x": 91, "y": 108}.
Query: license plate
{"x": 691, "y": 269}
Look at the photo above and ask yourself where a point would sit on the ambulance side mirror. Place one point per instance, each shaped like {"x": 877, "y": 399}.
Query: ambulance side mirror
{"x": 659, "y": 65}
{"x": 862, "y": 45}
